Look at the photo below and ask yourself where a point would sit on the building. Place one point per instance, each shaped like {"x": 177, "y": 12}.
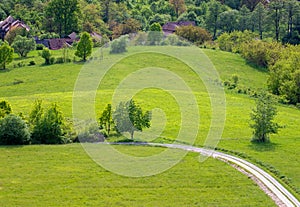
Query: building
{"x": 10, "y": 23}
{"x": 170, "y": 27}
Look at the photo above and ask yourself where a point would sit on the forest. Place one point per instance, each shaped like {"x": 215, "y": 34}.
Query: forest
{"x": 274, "y": 19}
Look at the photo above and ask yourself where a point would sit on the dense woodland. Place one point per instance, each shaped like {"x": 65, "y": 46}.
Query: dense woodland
{"x": 276, "y": 19}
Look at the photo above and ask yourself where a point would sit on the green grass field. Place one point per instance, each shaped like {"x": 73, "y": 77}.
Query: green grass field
{"x": 55, "y": 84}
{"x": 66, "y": 176}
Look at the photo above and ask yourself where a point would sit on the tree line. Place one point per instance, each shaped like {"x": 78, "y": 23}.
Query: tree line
{"x": 277, "y": 19}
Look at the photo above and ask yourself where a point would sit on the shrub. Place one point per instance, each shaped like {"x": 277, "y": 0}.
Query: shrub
{"x": 59, "y": 60}
{"x": 23, "y": 45}
{"x": 52, "y": 60}
{"x": 119, "y": 45}
{"x": 46, "y": 54}
{"x": 31, "y": 63}
{"x": 13, "y": 131}
{"x": 194, "y": 34}
{"x": 40, "y": 47}
{"x": 91, "y": 134}
{"x": 5, "y": 109}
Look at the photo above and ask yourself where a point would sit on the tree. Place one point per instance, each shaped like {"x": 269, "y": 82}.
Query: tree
{"x": 129, "y": 117}
{"x": 262, "y": 117}
{"x": 215, "y": 8}
{"x": 178, "y": 6}
{"x": 85, "y": 46}
{"x": 5, "y": 109}
{"x": 13, "y": 33}
{"x": 23, "y": 45}
{"x": 13, "y": 131}
{"x": 276, "y": 14}
{"x": 6, "y": 55}
{"x": 62, "y": 16}
{"x": 259, "y": 16}
{"x": 244, "y": 19}
{"x": 106, "y": 119}
{"x": 229, "y": 20}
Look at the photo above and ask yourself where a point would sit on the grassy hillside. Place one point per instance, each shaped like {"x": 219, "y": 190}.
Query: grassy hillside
{"x": 66, "y": 176}
{"x": 55, "y": 84}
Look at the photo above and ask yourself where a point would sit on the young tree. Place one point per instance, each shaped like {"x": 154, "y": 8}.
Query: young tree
{"x": 46, "y": 54}
{"x": 155, "y": 34}
{"x": 129, "y": 117}
{"x": 23, "y": 45}
{"x": 5, "y": 109}
{"x": 85, "y": 46}
{"x": 13, "y": 131}
{"x": 6, "y": 55}
{"x": 106, "y": 119}
{"x": 262, "y": 117}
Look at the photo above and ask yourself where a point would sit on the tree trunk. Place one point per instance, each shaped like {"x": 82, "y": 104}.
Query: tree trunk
{"x": 131, "y": 134}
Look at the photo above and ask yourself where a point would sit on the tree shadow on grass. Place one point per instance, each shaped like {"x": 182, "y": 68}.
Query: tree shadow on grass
{"x": 262, "y": 147}
{"x": 11, "y": 146}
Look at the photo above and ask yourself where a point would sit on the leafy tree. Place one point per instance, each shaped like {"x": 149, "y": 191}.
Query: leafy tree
{"x": 6, "y": 55}
{"x": 23, "y": 45}
{"x": 194, "y": 34}
{"x": 229, "y": 20}
{"x": 5, "y": 109}
{"x": 13, "y": 33}
{"x": 130, "y": 26}
{"x": 119, "y": 45}
{"x": 13, "y": 131}
{"x": 46, "y": 54}
{"x": 129, "y": 117}
{"x": 85, "y": 46}
{"x": 49, "y": 127}
{"x": 244, "y": 19}
{"x": 251, "y": 4}
{"x": 262, "y": 117}
{"x": 292, "y": 8}
{"x": 179, "y": 6}
{"x": 106, "y": 120}
{"x": 62, "y": 16}
{"x": 36, "y": 113}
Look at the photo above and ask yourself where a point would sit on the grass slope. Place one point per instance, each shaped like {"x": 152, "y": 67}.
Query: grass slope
{"x": 55, "y": 84}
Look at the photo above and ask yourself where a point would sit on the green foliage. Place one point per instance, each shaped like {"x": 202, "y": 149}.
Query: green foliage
{"x": 13, "y": 33}
{"x": 260, "y": 53}
{"x": 194, "y": 34}
{"x": 62, "y": 16}
{"x": 155, "y": 34}
{"x": 232, "y": 42}
{"x": 46, "y": 54}
{"x": 5, "y": 109}
{"x": 129, "y": 117}
{"x": 119, "y": 45}
{"x": 85, "y": 46}
{"x": 262, "y": 116}
{"x": 284, "y": 79}
{"x": 13, "y": 131}
{"x": 48, "y": 127}
{"x": 23, "y": 45}
{"x": 6, "y": 55}
{"x": 91, "y": 134}
{"x": 106, "y": 120}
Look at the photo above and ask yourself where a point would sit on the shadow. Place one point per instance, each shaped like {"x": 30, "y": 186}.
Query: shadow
{"x": 23, "y": 58}
{"x": 11, "y": 146}
{"x": 256, "y": 67}
{"x": 4, "y": 70}
{"x": 262, "y": 147}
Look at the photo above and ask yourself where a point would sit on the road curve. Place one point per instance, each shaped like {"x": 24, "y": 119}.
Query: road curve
{"x": 271, "y": 183}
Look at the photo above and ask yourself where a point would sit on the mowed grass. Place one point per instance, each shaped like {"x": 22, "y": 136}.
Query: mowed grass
{"x": 55, "y": 84}
{"x": 65, "y": 176}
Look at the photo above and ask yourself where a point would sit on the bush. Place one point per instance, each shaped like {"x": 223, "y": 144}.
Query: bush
{"x": 52, "y": 60}
{"x": 5, "y": 109}
{"x": 194, "y": 34}
{"x": 13, "y": 131}
{"x": 23, "y": 45}
{"x": 31, "y": 63}
{"x": 46, "y": 54}
{"x": 119, "y": 45}
{"x": 59, "y": 60}
{"x": 92, "y": 134}
{"x": 40, "y": 47}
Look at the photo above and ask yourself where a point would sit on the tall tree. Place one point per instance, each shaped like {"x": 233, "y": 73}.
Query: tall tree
{"x": 292, "y": 8}
{"x": 62, "y": 16}
{"x": 259, "y": 18}
{"x": 215, "y": 8}
{"x": 178, "y": 6}
{"x": 276, "y": 14}
{"x": 106, "y": 120}
{"x": 244, "y": 19}
{"x": 251, "y": 4}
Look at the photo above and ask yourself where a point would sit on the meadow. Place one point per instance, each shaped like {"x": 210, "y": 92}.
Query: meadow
{"x": 21, "y": 86}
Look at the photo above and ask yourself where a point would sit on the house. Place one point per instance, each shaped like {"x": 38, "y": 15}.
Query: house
{"x": 10, "y": 23}
{"x": 170, "y": 27}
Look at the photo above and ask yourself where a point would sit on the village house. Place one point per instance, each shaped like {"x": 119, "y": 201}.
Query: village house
{"x": 170, "y": 27}
{"x": 10, "y": 23}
